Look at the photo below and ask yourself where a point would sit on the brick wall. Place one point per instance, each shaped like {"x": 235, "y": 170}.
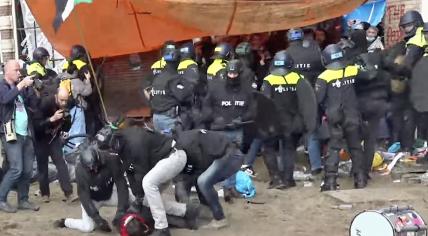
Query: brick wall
{"x": 122, "y": 85}
{"x": 394, "y": 10}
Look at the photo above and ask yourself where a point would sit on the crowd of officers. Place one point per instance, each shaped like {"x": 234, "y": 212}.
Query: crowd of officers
{"x": 347, "y": 85}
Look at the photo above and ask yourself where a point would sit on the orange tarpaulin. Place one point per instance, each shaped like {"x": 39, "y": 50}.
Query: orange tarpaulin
{"x": 117, "y": 27}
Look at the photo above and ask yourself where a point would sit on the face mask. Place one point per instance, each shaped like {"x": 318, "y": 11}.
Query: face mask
{"x": 370, "y": 39}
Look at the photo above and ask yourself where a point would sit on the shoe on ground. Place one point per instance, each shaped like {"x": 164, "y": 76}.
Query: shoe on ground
{"x": 71, "y": 198}
{"x": 316, "y": 171}
{"x": 289, "y": 184}
{"x": 59, "y": 223}
{"x": 4, "y": 206}
{"x": 46, "y": 199}
{"x": 247, "y": 169}
{"x": 26, "y": 205}
{"x": 161, "y": 232}
{"x": 216, "y": 224}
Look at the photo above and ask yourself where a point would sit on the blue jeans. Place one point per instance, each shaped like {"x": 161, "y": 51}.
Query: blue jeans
{"x": 78, "y": 126}
{"x": 314, "y": 150}
{"x": 251, "y": 156}
{"x": 164, "y": 124}
{"x": 218, "y": 171}
{"x": 20, "y": 155}
{"x": 236, "y": 137}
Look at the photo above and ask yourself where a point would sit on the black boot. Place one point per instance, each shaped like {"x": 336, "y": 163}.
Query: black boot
{"x": 272, "y": 167}
{"x": 192, "y": 213}
{"x": 330, "y": 183}
{"x": 276, "y": 183}
{"x": 161, "y": 232}
{"x": 360, "y": 180}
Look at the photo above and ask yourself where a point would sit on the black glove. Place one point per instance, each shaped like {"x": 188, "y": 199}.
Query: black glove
{"x": 59, "y": 223}
{"x": 101, "y": 224}
{"x": 136, "y": 205}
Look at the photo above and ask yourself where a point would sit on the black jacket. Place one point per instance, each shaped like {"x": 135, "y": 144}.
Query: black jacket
{"x": 99, "y": 186}
{"x": 307, "y": 59}
{"x": 162, "y": 97}
{"x": 202, "y": 147}
{"x": 225, "y": 102}
{"x": 8, "y": 96}
{"x": 44, "y": 129}
{"x": 140, "y": 150}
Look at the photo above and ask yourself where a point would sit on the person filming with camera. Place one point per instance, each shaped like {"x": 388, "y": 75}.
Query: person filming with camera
{"x": 52, "y": 120}
{"x": 16, "y": 100}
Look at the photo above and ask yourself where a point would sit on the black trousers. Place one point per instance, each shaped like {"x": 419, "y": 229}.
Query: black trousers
{"x": 284, "y": 167}
{"x": 370, "y": 129}
{"x": 183, "y": 185}
{"x": 422, "y": 125}
{"x": 54, "y": 150}
{"x": 350, "y": 133}
{"x": 403, "y": 123}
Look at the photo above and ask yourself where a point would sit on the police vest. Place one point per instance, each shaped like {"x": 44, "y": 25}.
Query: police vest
{"x": 283, "y": 93}
{"x": 339, "y": 78}
{"x": 158, "y": 65}
{"x": 36, "y": 67}
{"x": 186, "y": 63}
{"x": 161, "y": 97}
{"x": 78, "y": 63}
{"x": 418, "y": 39}
{"x": 215, "y": 67}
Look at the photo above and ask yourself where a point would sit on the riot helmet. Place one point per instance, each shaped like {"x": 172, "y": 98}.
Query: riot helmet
{"x": 333, "y": 57}
{"x": 281, "y": 63}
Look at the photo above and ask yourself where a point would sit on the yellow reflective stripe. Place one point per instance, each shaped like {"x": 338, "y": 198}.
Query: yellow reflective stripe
{"x": 215, "y": 67}
{"x": 65, "y": 66}
{"x": 330, "y": 75}
{"x": 79, "y": 64}
{"x": 291, "y": 78}
{"x": 36, "y": 67}
{"x": 186, "y": 63}
{"x": 418, "y": 39}
{"x": 159, "y": 64}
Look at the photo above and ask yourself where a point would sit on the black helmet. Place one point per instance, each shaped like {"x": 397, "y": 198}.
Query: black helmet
{"x": 89, "y": 157}
{"x": 333, "y": 57}
{"x": 282, "y": 63}
{"x": 187, "y": 51}
{"x": 295, "y": 34}
{"x": 77, "y": 52}
{"x": 170, "y": 54}
{"x": 243, "y": 49}
{"x": 234, "y": 66}
{"x": 223, "y": 51}
{"x": 40, "y": 53}
{"x": 413, "y": 18}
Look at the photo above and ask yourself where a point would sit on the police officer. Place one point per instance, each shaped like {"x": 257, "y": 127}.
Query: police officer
{"x": 306, "y": 55}
{"x": 222, "y": 53}
{"x": 158, "y": 65}
{"x": 227, "y": 107}
{"x": 336, "y": 94}
{"x": 244, "y": 54}
{"x": 411, "y": 23}
{"x": 403, "y": 114}
{"x": 418, "y": 94}
{"x": 163, "y": 102}
{"x": 100, "y": 182}
{"x": 37, "y": 66}
{"x": 187, "y": 67}
{"x": 295, "y": 101}
{"x": 373, "y": 92}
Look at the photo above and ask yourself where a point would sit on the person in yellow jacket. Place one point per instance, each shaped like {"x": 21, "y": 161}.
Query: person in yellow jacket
{"x": 37, "y": 66}
{"x": 217, "y": 69}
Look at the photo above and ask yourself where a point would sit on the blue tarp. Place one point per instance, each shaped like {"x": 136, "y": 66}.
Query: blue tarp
{"x": 371, "y": 12}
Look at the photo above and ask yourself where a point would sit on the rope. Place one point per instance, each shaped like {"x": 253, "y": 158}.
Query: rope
{"x": 79, "y": 28}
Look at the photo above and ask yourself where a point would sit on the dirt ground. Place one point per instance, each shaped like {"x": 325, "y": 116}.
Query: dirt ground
{"x": 301, "y": 211}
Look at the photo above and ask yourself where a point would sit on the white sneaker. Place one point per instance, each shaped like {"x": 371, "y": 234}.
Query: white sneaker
{"x": 216, "y": 224}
